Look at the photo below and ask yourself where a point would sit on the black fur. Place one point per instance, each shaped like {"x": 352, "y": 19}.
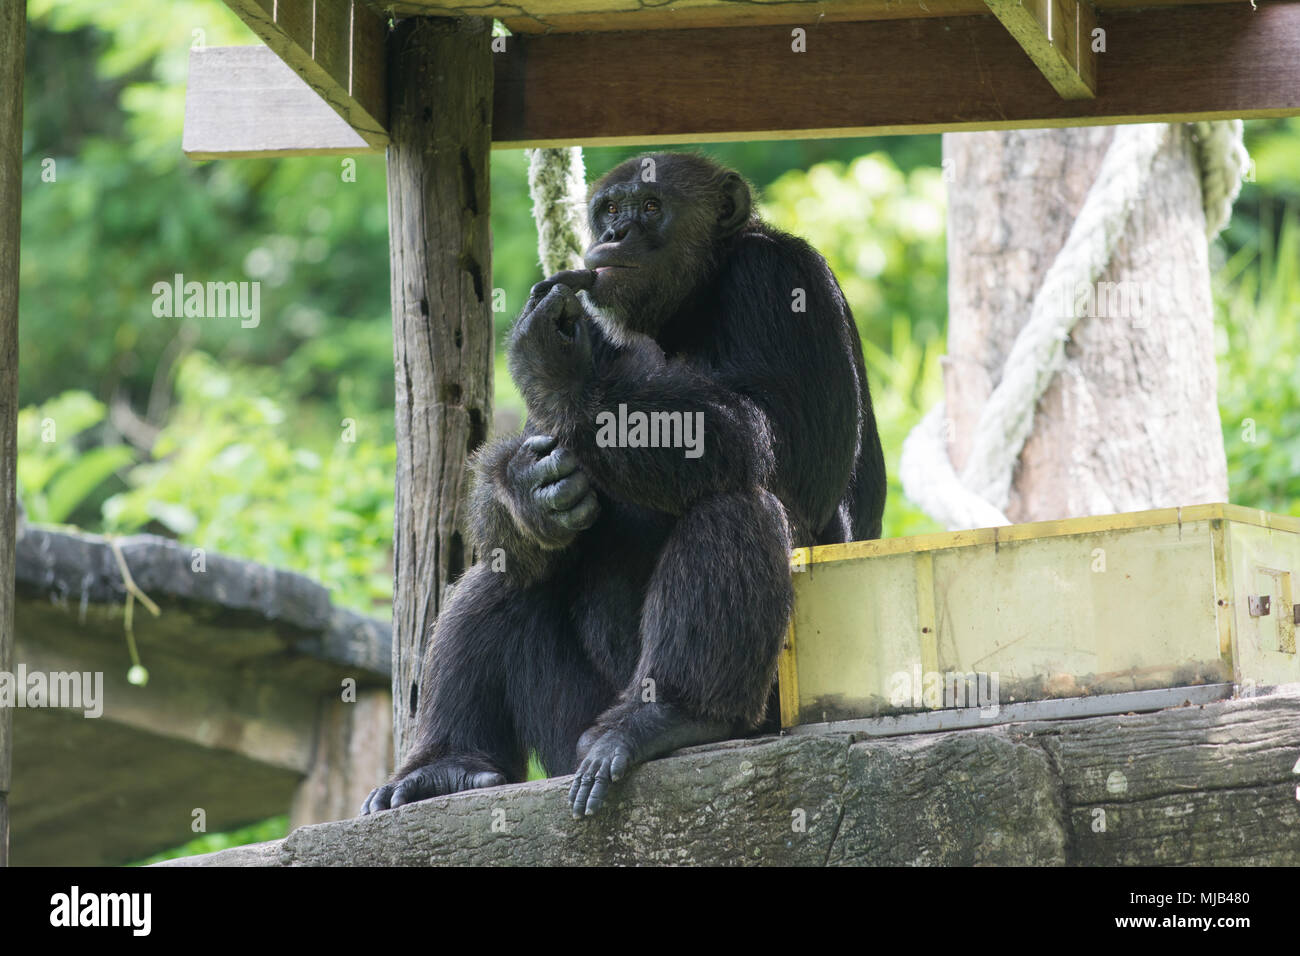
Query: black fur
{"x": 645, "y": 594}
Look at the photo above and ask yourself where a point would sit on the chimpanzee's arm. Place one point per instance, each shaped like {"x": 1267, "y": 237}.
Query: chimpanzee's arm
{"x": 593, "y": 398}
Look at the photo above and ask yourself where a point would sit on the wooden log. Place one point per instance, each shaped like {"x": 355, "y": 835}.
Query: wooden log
{"x": 337, "y": 46}
{"x": 13, "y": 32}
{"x": 440, "y": 242}
{"x": 859, "y": 79}
{"x": 1207, "y": 785}
{"x": 243, "y": 101}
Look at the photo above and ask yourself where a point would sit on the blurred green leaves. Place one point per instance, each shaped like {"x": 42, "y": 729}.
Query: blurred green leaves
{"x": 238, "y": 469}
{"x": 881, "y": 230}
{"x": 56, "y": 472}
{"x": 1257, "y": 296}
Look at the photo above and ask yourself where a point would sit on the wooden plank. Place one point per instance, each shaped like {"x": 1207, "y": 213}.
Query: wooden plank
{"x": 1161, "y": 65}
{"x": 579, "y": 16}
{"x": 441, "y": 242}
{"x": 1069, "y": 708}
{"x": 243, "y": 101}
{"x": 1057, "y": 36}
{"x": 1033, "y": 530}
{"x": 337, "y": 46}
{"x": 13, "y": 31}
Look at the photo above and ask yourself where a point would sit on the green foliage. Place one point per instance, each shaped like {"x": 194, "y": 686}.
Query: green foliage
{"x": 1257, "y": 295}
{"x": 272, "y": 829}
{"x": 882, "y": 231}
{"x": 237, "y": 469}
{"x": 906, "y": 382}
{"x": 111, "y": 206}
{"x": 57, "y": 473}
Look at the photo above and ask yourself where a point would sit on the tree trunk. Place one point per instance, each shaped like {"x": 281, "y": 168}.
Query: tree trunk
{"x": 1131, "y": 420}
{"x": 13, "y": 30}
{"x": 440, "y": 90}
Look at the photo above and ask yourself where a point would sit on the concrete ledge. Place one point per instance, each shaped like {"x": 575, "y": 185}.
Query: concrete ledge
{"x": 1204, "y": 784}
{"x": 242, "y": 716}
{"x": 74, "y": 570}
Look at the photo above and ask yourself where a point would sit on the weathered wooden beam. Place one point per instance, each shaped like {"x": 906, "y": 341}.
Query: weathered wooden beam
{"x": 337, "y": 46}
{"x": 243, "y": 101}
{"x": 1210, "y": 61}
{"x": 580, "y": 16}
{"x": 1057, "y": 35}
{"x": 13, "y": 32}
{"x": 441, "y": 245}
{"x": 1160, "y": 65}
{"x": 1199, "y": 785}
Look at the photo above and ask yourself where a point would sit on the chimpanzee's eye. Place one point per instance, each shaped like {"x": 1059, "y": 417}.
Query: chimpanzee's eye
{"x": 650, "y": 205}
{"x": 611, "y": 208}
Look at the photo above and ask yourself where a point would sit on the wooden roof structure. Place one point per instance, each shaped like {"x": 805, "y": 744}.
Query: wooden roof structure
{"x": 601, "y": 72}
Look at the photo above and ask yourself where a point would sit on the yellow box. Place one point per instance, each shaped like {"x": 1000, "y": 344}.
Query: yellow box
{"x": 1179, "y": 597}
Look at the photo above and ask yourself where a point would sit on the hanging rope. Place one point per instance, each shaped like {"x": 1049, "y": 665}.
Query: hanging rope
{"x": 979, "y": 496}
{"x": 557, "y": 183}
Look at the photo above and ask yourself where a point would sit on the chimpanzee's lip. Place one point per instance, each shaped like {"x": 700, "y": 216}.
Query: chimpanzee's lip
{"x": 613, "y": 265}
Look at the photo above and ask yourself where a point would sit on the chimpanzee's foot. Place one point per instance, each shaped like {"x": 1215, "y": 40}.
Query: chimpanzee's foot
{"x": 438, "y": 778}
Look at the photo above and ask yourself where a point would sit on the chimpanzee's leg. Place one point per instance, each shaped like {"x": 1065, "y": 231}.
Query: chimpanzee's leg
{"x": 712, "y": 627}
{"x": 504, "y": 674}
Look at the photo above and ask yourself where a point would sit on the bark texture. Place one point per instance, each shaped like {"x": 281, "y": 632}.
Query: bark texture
{"x": 441, "y": 247}
{"x": 1209, "y": 784}
{"x": 1131, "y": 421}
{"x": 13, "y": 32}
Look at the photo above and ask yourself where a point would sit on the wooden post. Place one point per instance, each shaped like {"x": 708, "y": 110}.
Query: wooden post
{"x": 440, "y": 95}
{"x": 13, "y": 28}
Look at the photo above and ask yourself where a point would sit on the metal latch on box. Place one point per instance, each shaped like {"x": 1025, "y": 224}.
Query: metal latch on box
{"x": 1261, "y": 605}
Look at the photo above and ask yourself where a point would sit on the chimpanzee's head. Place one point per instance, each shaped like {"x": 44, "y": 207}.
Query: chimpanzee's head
{"x": 659, "y": 224}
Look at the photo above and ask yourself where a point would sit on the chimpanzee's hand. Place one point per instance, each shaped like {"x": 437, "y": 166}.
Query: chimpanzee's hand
{"x": 552, "y": 497}
{"x": 550, "y": 346}
{"x": 576, "y": 280}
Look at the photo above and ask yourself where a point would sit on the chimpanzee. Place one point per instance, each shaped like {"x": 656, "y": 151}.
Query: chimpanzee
{"x": 701, "y": 412}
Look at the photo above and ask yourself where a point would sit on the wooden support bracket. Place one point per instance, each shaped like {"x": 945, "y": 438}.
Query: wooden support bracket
{"x": 337, "y": 46}
{"x": 1057, "y": 35}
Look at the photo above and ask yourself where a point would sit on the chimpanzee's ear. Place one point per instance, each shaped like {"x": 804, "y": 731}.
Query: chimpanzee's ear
{"x": 735, "y": 204}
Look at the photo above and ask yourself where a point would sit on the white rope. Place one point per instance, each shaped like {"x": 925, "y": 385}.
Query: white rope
{"x": 1224, "y": 161}
{"x": 557, "y": 183}
{"x": 979, "y": 496}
